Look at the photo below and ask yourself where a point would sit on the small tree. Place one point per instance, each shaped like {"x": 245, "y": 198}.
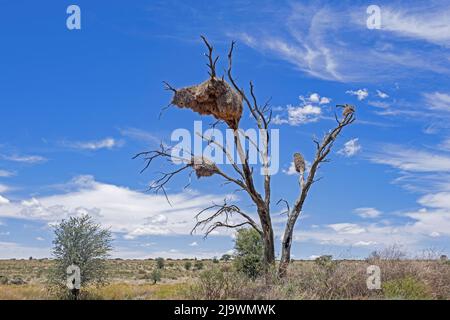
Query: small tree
{"x": 249, "y": 252}
{"x": 198, "y": 265}
{"x": 155, "y": 276}
{"x": 188, "y": 265}
{"x": 81, "y": 242}
{"x": 160, "y": 263}
{"x": 215, "y": 260}
{"x": 226, "y": 257}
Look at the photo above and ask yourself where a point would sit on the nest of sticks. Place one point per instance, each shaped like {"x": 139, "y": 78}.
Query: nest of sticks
{"x": 203, "y": 167}
{"x": 213, "y": 97}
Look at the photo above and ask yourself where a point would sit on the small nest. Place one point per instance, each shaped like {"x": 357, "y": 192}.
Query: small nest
{"x": 213, "y": 97}
{"x": 299, "y": 163}
{"x": 203, "y": 167}
{"x": 348, "y": 110}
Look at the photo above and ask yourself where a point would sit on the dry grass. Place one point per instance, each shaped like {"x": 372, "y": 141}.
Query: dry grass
{"x": 130, "y": 279}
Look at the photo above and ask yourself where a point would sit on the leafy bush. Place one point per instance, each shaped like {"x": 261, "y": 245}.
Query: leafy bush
{"x": 215, "y": 284}
{"x": 226, "y": 257}
{"x": 188, "y": 265}
{"x": 248, "y": 257}
{"x": 160, "y": 263}
{"x": 406, "y": 288}
{"x": 215, "y": 260}
{"x": 198, "y": 265}
{"x": 155, "y": 276}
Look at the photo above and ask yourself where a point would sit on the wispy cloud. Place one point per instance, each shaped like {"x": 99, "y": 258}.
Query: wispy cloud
{"x": 367, "y": 212}
{"x": 410, "y": 159}
{"x": 325, "y": 40}
{"x": 107, "y": 143}
{"x": 438, "y": 101}
{"x": 6, "y": 174}
{"x": 140, "y": 135}
{"x": 431, "y": 24}
{"x": 31, "y": 159}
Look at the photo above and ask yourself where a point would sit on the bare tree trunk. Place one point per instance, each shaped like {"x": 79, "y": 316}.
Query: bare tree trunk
{"x": 286, "y": 248}
{"x": 268, "y": 238}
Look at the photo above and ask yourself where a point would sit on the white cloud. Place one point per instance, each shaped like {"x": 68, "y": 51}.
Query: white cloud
{"x": 193, "y": 244}
{"x": 324, "y": 100}
{"x": 39, "y": 239}
{"x": 4, "y": 188}
{"x": 6, "y": 174}
{"x": 25, "y": 158}
{"x": 125, "y": 211}
{"x": 382, "y": 94}
{"x": 3, "y": 200}
{"x": 291, "y": 170}
{"x": 314, "y": 97}
{"x": 367, "y": 212}
{"x": 351, "y": 148}
{"x": 107, "y": 143}
{"x": 361, "y": 94}
{"x": 364, "y": 243}
{"x": 305, "y": 114}
{"x": 435, "y": 234}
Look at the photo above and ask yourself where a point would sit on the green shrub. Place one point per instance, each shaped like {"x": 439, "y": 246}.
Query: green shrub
{"x": 405, "y": 288}
{"x": 160, "y": 263}
{"x": 226, "y": 257}
{"x": 155, "y": 276}
{"x": 188, "y": 265}
{"x": 215, "y": 260}
{"x": 198, "y": 265}
{"x": 249, "y": 253}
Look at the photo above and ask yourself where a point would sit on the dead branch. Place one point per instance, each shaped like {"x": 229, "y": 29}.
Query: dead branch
{"x": 225, "y": 212}
{"x": 212, "y": 61}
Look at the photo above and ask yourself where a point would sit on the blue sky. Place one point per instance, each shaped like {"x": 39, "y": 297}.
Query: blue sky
{"x": 76, "y": 105}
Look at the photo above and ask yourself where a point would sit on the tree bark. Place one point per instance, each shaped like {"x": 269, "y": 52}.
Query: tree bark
{"x": 268, "y": 238}
{"x": 286, "y": 248}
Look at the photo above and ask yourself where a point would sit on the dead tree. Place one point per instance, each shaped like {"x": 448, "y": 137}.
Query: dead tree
{"x": 226, "y": 103}
{"x": 323, "y": 149}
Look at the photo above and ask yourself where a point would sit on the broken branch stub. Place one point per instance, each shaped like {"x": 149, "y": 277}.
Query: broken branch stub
{"x": 213, "y": 97}
{"x": 299, "y": 163}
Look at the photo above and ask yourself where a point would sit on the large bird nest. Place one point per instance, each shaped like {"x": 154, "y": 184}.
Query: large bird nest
{"x": 203, "y": 167}
{"x": 213, "y": 97}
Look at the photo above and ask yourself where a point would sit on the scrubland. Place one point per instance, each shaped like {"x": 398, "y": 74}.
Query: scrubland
{"x": 320, "y": 279}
